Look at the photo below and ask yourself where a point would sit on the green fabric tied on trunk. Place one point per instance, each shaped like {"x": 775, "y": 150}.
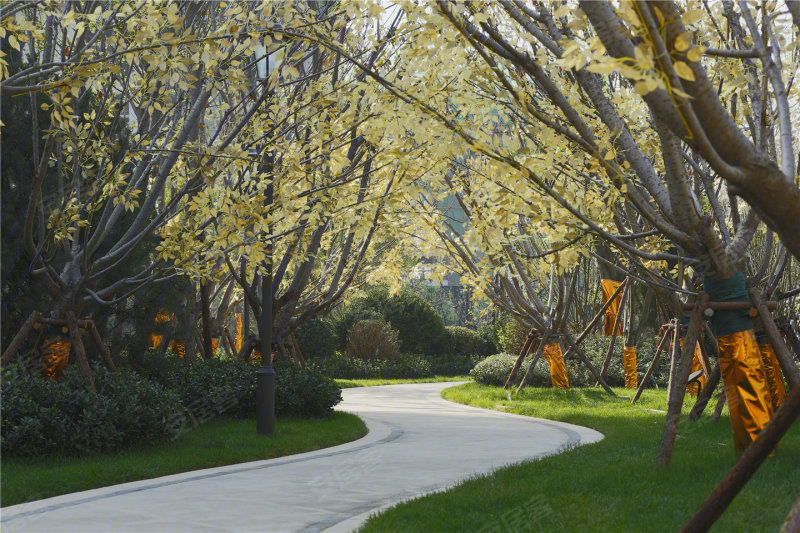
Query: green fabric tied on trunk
{"x": 730, "y": 289}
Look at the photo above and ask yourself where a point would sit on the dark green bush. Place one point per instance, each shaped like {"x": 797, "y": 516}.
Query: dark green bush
{"x": 489, "y": 341}
{"x": 317, "y": 338}
{"x": 453, "y": 365}
{"x": 372, "y": 339}
{"x": 460, "y": 341}
{"x": 419, "y": 326}
{"x": 42, "y": 417}
{"x": 407, "y": 367}
{"x": 220, "y": 386}
{"x": 304, "y": 392}
{"x": 342, "y": 366}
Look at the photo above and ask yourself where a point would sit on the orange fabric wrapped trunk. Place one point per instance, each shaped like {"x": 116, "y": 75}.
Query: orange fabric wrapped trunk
{"x": 609, "y": 286}
{"x": 55, "y": 356}
{"x": 774, "y": 374}
{"x": 629, "y": 362}
{"x": 749, "y": 398}
{"x": 238, "y": 339}
{"x": 558, "y": 370}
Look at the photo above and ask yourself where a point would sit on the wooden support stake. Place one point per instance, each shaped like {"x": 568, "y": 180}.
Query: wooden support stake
{"x": 784, "y": 357}
{"x": 673, "y": 356}
{"x": 80, "y": 352}
{"x": 297, "y": 350}
{"x": 231, "y": 346}
{"x": 19, "y": 338}
{"x": 574, "y": 346}
{"x": 678, "y": 390}
{"x": 617, "y": 320}
{"x": 792, "y": 523}
{"x": 523, "y": 353}
{"x": 705, "y": 395}
{"x": 652, "y": 366}
{"x": 720, "y": 404}
{"x": 101, "y": 346}
{"x": 746, "y": 466}
{"x": 539, "y": 350}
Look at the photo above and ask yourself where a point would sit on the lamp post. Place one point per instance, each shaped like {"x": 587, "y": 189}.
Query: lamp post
{"x": 265, "y": 384}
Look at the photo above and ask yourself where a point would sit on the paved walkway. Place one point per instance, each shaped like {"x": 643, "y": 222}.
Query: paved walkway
{"x": 417, "y": 443}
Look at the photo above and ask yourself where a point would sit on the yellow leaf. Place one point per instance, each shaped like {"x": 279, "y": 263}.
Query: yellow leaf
{"x": 562, "y": 11}
{"x": 601, "y": 68}
{"x": 684, "y": 41}
{"x": 684, "y": 71}
{"x": 12, "y": 40}
{"x": 696, "y": 53}
{"x": 692, "y": 16}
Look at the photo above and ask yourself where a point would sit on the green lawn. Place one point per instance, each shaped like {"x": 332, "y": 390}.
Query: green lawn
{"x": 612, "y": 485}
{"x": 222, "y": 441}
{"x": 371, "y": 382}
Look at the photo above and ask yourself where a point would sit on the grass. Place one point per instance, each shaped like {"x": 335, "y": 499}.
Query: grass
{"x": 372, "y": 382}
{"x": 221, "y": 441}
{"x": 612, "y": 485}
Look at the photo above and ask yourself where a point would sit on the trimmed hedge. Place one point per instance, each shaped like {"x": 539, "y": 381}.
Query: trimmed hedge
{"x": 342, "y": 366}
{"x": 230, "y": 385}
{"x": 460, "y": 341}
{"x": 42, "y": 416}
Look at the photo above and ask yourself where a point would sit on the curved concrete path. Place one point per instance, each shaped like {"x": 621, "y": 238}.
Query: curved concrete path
{"x": 417, "y": 443}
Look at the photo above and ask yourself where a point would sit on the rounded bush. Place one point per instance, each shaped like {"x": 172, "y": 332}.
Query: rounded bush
{"x": 495, "y": 369}
{"x": 409, "y": 366}
{"x": 304, "y": 392}
{"x": 461, "y": 341}
{"x": 41, "y": 417}
{"x": 372, "y": 339}
{"x": 419, "y": 326}
{"x": 317, "y": 338}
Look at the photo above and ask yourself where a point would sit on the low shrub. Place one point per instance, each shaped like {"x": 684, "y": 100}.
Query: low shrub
{"x": 372, "y": 339}
{"x": 453, "y": 365}
{"x": 407, "y": 367}
{"x": 342, "y": 366}
{"x": 41, "y": 417}
{"x": 317, "y": 338}
{"x": 304, "y": 392}
{"x": 495, "y": 369}
{"x": 230, "y": 386}
{"x": 458, "y": 340}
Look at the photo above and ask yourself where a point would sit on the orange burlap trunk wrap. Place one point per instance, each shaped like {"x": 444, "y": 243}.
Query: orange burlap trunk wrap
{"x": 629, "y": 362}
{"x": 774, "y": 374}
{"x": 609, "y": 286}
{"x": 749, "y": 398}
{"x": 558, "y": 370}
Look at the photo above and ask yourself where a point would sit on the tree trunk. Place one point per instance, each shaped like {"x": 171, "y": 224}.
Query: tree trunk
{"x": 19, "y": 338}
{"x": 523, "y": 353}
{"x": 205, "y": 308}
{"x": 652, "y": 366}
{"x": 678, "y": 388}
{"x": 746, "y": 466}
{"x": 80, "y": 352}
